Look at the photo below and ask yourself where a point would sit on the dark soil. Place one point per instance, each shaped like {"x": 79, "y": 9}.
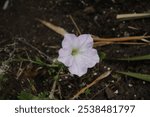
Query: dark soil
{"x": 98, "y": 17}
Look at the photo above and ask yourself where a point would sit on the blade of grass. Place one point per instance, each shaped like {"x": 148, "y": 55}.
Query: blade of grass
{"x": 140, "y": 76}
{"x": 138, "y": 58}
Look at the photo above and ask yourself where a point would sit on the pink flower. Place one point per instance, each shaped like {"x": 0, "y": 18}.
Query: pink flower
{"x": 78, "y": 54}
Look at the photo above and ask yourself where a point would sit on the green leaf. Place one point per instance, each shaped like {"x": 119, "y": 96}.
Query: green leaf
{"x": 137, "y": 58}
{"x": 145, "y": 77}
{"x": 102, "y": 55}
{"x": 1, "y": 76}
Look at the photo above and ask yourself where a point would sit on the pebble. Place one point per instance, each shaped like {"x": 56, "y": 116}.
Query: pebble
{"x": 135, "y": 95}
{"x": 104, "y": 12}
{"x": 108, "y": 68}
{"x": 69, "y": 86}
{"x": 60, "y": 80}
{"x": 111, "y": 8}
{"x": 96, "y": 18}
{"x": 95, "y": 74}
{"x": 66, "y": 77}
{"x": 112, "y": 81}
{"x": 126, "y": 34}
{"x": 113, "y": 29}
{"x": 130, "y": 85}
{"x": 117, "y": 51}
{"x": 105, "y": 67}
{"x": 116, "y": 92}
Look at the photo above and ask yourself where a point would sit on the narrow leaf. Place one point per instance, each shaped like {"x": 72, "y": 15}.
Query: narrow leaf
{"x": 138, "y": 58}
{"x": 140, "y": 76}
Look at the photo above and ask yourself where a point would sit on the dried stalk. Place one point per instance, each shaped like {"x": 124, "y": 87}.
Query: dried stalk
{"x": 119, "y": 39}
{"x": 132, "y": 16}
{"x": 104, "y": 75}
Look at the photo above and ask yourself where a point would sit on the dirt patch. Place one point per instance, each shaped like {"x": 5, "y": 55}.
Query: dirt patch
{"x": 20, "y": 33}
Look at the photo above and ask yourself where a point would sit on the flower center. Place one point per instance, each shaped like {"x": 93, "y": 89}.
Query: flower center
{"x": 75, "y": 51}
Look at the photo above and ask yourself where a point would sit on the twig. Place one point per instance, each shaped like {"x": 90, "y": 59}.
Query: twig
{"x": 75, "y": 24}
{"x": 53, "y": 27}
{"x": 119, "y": 39}
{"x": 145, "y": 40}
{"x": 97, "y": 40}
{"x": 104, "y": 75}
{"x": 39, "y": 51}
{"x": 132, "y": 16}
{"x": 51, "y": 96}
{"x": 118, "y": 43}
{"x": 20, "y": 70}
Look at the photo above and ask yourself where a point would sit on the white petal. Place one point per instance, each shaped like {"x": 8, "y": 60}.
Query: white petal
{"x": 68, "y": 41}
{"x": 64, "y": 52}
{"x": 90, "y": 58}
{"x": 65, "y": 57}
{"x": 77, "y": 67}
{"x": 86, "y": 41}
{"x": 67, "y": 60}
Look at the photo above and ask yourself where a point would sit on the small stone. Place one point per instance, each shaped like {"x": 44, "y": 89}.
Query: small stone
{"x": 96, "y": 18}
{"x": 69, "y": 86}
{"x": 60, "y": 80}
{"x": 95, "y": 74}
{"x": 105, "y": 67}
{"x": 111, "y": 8}
{"x": 104, "y": 12}
{"x": 108, "y": 68}
{"x": 116, "y": 92}
{"x": 126, "y": 34}
{"x": 117, "y": 51}
{"x": 113, "y": 29}
{"x": 135, "y": 95}
{"x": 130, "y": 85}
